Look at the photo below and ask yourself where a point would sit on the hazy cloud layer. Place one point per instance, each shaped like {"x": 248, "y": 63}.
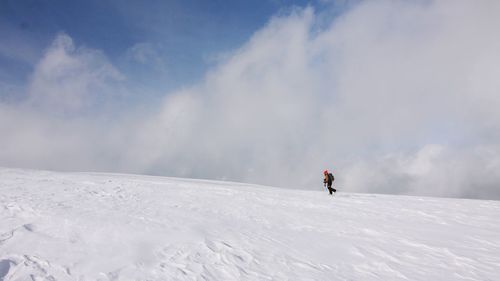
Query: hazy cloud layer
{"x": 69, "y": 78}
{"x": 396, "y": 97}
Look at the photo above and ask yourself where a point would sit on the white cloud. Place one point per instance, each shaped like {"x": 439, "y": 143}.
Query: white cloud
{"x": 395, "y": 96}
{"x": 387, "y": 77}
{"x": 141, "y": 52}
{"x": 69, "y": 78}
{"x": 146, "y": 54}
{"x": 434, "y": 170}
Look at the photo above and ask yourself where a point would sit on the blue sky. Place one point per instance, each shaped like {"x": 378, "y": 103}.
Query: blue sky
{"x": 184, "y": 37}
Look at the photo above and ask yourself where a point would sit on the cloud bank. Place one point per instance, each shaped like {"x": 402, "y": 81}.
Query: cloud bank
{"x": 394, "y": 96}
{"x": 69, "y": 79}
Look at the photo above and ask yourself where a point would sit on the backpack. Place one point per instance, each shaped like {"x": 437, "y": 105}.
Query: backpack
{"x": 331, "y": 177}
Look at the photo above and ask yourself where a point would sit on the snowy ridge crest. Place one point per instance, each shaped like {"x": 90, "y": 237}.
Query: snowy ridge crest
{"x": 81, "y": 226}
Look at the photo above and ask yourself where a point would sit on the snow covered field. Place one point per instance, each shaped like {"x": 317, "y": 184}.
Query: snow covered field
{"x": 83, "y": 226}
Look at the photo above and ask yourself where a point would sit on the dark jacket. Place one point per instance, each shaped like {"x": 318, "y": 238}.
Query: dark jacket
{"x": 329, "y": 178}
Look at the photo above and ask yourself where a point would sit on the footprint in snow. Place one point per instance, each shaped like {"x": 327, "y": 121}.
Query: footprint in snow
{"x": 5, "y": 266}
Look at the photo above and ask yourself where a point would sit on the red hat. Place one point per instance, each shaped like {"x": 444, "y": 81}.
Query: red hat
{"x": 325, "y": 172}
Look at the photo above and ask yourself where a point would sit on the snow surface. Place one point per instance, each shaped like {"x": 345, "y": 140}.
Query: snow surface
{"x": 82, "y": 226}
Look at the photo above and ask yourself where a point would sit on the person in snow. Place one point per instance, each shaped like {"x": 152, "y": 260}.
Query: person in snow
{"x": 328, "y": 181}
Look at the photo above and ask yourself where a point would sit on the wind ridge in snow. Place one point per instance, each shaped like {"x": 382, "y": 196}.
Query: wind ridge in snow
{"x": 86, "y": 226}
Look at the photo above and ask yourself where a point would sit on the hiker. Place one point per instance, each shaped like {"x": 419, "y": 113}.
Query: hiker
{"x": 328, "y": 181}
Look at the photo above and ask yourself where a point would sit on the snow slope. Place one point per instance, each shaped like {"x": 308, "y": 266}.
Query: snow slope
{"x": 82, "y": 226}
